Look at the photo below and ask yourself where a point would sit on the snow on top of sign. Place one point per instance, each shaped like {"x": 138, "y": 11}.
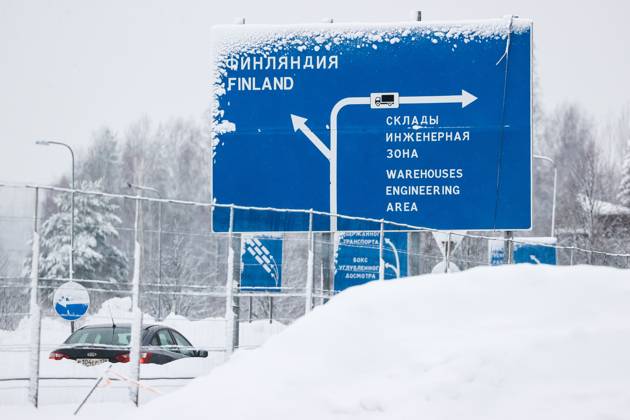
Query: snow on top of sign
{"x": 266, "y": 39}
{"x": 530, "y": 240}
{"x": 230, "y": 41}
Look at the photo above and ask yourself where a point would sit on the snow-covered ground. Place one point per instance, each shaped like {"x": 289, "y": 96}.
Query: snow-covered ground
{"x": 512, "y": 342}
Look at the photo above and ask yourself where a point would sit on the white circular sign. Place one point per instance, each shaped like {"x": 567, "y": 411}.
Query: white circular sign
{"x": 71, "y": 301}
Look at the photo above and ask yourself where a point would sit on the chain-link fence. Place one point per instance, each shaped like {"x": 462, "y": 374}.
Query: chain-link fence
{"x": 159, "y": 259}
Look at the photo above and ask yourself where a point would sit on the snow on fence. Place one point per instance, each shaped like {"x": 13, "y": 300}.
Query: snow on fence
{"x": 207, "y": 285}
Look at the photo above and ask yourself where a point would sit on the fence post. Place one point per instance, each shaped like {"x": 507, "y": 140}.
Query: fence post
{"x": 381, "y": 260}
{"x": 571, "y": 255}
{"x": 447, "y": 252}
{"x": 231, "y": 339}
{"x": 413, "y": 254}
{"x": 35, "y": 315}
{"x": 328, "y": 262}
{"x": 509, "y": 237}
{"x": 322, "y": 300}
{"x": 309, "y": 266}
{"x": 236, "y": 287}
{"x": 136, "y": 326}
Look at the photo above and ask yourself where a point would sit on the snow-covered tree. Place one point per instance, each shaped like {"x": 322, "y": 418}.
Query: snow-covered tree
{"x": 623, "y": 196}
{"x": 96, "y": 255}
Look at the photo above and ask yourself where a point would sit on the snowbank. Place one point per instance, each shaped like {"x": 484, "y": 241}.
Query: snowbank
{"x": 513, "y": 342}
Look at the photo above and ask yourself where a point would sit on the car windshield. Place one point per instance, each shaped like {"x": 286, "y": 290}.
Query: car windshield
{"x": 108, "y": 336}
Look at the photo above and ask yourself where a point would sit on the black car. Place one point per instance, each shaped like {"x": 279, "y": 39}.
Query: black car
{"x": 95, "y": 344}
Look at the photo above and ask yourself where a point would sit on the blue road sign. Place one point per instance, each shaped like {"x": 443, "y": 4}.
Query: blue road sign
{"x": 526, "y": 250}
{"x": 71, "y": 301}
{"x": 357, "y": 257}
{"x": 261, "y": 259}
{"x": 420, "y": 123}
{"x": 496, "y": 252}
{"x": 535, "y": 253}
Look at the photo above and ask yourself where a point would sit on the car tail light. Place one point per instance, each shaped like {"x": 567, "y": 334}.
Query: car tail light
{"x": 122, "y": 358}
{"x": 57, "y": 355}
{"x": 145, "y": 357}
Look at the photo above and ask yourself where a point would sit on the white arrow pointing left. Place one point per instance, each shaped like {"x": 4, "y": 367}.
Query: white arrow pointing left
{"x": 299, "y": 123}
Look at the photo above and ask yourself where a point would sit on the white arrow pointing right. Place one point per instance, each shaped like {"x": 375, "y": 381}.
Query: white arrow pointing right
{"x": 466, "y": 98}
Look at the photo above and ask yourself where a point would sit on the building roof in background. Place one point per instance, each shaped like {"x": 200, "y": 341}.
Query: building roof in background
{"x": 603, "y": 208}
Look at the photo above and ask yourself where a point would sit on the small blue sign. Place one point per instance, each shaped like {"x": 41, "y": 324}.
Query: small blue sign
{"x": 261, "y": 259}
{"x": 427, "y": 124}
{"x": 357, "y": 257}
{"x": 535, "y": 253}
{"x": 496, "y": 252}
{"x": 71, "y": 301}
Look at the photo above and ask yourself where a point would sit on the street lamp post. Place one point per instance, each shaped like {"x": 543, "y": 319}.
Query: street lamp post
{"x": 58, "y": 143}
{"x": 555, "y": 184}
{"x": 71, "y": 271}
{"x": 157, "y": 192}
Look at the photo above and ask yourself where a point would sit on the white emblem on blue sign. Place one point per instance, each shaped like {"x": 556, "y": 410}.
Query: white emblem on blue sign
{"x": 71, "y": 301}
{"x": 260, "y": 269}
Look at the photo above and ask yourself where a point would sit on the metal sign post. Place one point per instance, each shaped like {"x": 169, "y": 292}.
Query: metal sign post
{"x": 308, "y": 304}
{"x": 231, "y": 305}
{"x": 136, "y": 326}
{"x": 381, "y": 259}
{"x": 509, "y": 248}
{"x": 35, "y": 314}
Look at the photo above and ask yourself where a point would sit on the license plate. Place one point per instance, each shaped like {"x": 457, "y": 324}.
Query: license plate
{"x": 91, "y": 362}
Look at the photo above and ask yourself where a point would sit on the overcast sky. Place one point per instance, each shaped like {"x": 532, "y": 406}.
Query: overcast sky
{"x": 68, "y": 67}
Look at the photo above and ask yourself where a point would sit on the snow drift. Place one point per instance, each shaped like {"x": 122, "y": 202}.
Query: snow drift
{"x": 515, "y": 342}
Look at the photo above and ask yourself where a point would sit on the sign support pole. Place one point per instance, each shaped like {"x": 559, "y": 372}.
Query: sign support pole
{"x": 136, "y": 326}
{"x": 35, "y": 315}
{"x": 381, "y": 260}
{"x": 232, "y": 301}
{"x": 328, "y": 249}
{"x": 414, "y": 244}
{"x": 309, "y": 266}
{"x": 236, "y": 243}
{"x": 509, "y": 238}
{"x": 229, "y": 289}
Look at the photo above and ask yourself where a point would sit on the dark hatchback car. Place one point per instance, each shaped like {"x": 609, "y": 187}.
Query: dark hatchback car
{"x": 95, "y": 344}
